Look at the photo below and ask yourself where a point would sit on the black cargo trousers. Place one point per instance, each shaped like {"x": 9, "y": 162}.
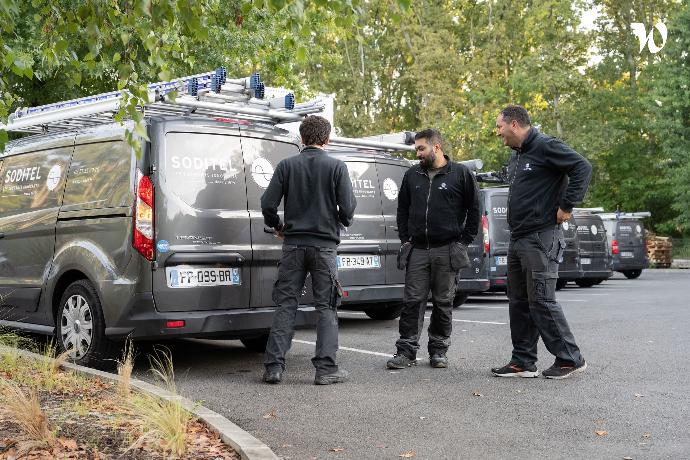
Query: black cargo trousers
{"x": 432, "y": 269}
{"x": 293, "y": 267}
{"x": 532, "y": 274}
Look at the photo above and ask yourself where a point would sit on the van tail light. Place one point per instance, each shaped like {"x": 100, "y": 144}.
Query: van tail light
{"x": 614, "y": 247}
{"x": 143, "y": 216}
{"x": 485, "y": 232}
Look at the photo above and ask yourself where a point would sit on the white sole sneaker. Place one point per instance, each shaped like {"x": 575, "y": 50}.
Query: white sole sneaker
{"x": 523, "y": 374}
{"x": 575, "y": 371}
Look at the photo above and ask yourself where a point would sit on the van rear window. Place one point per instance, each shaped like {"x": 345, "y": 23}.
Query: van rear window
{"x": 205, "y": 170}
{"x": 498, "y": 219}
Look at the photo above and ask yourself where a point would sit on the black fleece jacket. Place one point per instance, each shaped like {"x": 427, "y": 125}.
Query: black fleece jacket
{"x": 544, "y": 174}
{"x": 438, "y": 211}
{"x": 318, "y": 198}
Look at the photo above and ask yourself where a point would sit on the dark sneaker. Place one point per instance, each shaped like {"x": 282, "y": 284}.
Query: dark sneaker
{"x": 338, "y": 376}
{"x": 438, "y": 361}
{"x": 561, "y": 370}
{"x": 273, "y": 376}
{"x": 400, "y": 361}
{"x": 514, "y": 370}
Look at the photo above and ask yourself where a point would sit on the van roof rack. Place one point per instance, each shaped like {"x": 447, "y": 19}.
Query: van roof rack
{"x": 622, "y": 215}
{"x": 209, "y": 94}
{"x": 592, "y": 210}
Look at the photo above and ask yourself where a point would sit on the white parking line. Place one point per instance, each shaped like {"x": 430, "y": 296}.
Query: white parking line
{"x": 572, "y": 300}
{"x": 481, "y": 307}
{"x": 472, "y": 321}
{"x": 357, "y": 350}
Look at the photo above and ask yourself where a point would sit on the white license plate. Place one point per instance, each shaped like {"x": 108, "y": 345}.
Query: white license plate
{"x": 186, "y": 276}
{"x": 585, "y": 261}
{"x": 346, "y": 262}
{"x": 501, "y": 260}
{"x": 627, "y": 254}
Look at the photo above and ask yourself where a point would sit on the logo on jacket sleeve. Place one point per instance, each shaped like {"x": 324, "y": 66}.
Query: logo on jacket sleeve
{"x": 443, "y": 186}
{"x": 527, "y": 167}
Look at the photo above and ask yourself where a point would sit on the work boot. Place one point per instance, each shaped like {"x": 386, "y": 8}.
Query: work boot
{"x": 400, "y": 361}
{"x": 338, "y": 376}
{"x": 272, "y": 376}
{"x": 438, "y": 360}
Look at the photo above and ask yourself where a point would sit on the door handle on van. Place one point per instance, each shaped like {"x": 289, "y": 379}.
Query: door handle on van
{"x": 198, "y": 258}
{"x": 359, "y": 249}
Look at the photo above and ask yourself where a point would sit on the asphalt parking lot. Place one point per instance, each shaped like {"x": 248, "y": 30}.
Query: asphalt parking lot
{"x": 632, "y": 402}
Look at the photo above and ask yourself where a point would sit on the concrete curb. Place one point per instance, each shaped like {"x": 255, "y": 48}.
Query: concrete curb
{"x": 249, "y": 447}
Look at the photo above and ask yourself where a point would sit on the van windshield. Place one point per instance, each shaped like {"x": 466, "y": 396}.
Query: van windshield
{"x": 205, "y": 170}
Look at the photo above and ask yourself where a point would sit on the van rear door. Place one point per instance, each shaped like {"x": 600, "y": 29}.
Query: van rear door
{"x": 202, "y": 226}
{"x": 631, "y": 242}
{"x": 499, "y": 233}
{"x": 591, "y": 236}
{"x": 390, "y": 178}
{"x": 361, "y": 260}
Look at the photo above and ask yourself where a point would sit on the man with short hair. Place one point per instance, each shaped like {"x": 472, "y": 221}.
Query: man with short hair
{"x": 438, "y": 217}
{"x": 547, "y": 178}
{"x": 318, "y": 200}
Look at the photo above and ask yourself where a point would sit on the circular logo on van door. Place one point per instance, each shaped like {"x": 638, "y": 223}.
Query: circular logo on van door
{"x": 390, "y": 189}
{"x": 262, "y": 171}
{"x": 594, "y": 229}
{"x": 54, "y": 176}
{"x": 638, "y": 229}
{"x": 565, "y": 225}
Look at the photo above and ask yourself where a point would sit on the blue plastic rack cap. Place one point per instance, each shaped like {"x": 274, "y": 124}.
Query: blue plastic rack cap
{"x": 216, "y": 83}
{"x": 254, "y": 80}
{"x": 222, "y": 72}
{"x": 193, "y": 87}
{"x": 260, "y": 91}
{"x": 289, "y": 101}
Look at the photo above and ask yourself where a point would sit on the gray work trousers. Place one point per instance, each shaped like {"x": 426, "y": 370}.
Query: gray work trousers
{"x": 532, "y": 274}
{"x": 293, "y": 267}
{"x": 428, "y": 269}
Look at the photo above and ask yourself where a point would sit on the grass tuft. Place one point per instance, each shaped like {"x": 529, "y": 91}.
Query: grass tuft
{"x": 124, "y": 369}
{"x": 162, "y": 421}
{"x": 26, "y": 412}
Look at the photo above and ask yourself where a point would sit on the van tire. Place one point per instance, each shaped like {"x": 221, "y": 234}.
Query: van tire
{"x": 460, "y": 298}
{"x": 257, "y": 343}
{"x": 586, "y": 282}
{"x": 100, "y": 352}
{"x": 632, "y": 274}
{"x": 387, "y": 312}
{"x": 560, "y": 283}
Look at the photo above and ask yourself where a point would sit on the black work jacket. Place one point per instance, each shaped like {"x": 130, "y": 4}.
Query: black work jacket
{"x": 544, "y": 174}
{"x": 318, "y": 198}
{"x": 437, "y": 211}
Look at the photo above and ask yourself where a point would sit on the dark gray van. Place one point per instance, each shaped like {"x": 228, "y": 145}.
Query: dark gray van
{"x": 496, "y": 235}
{"x": 97, "y": 245}
{"x": 594, "y": 260}
{"x": 627, "y": 242}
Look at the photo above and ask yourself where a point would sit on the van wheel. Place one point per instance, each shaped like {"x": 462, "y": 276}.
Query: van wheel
{"x": 81, "y": 327}
{"x": 585, "y": 282}
{"x": 257, "y": 344}
{"x": 385, "y": 312}
{"x": 560, "y": 283}
{"x": 632, "y": 274}
{"x": 460, "y": 298}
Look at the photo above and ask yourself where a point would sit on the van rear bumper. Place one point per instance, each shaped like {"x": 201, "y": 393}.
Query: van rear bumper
{"x": 473, "y": 285}
{"x": 569, "y": 275}
{"x": 372, "y": 294}
{"x": 145, "y": 322}
{"x": 598, "y": 274}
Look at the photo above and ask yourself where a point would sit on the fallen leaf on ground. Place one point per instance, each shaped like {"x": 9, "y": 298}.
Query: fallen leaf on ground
{"x": 381, "y": 446}
{"x": 476, "y": 393}
{"x": 271, "y": 414}
{"x": 286, "y": 445}
{"x": 601, "y": 432}
{"x": 638, "y": 395}
{"x": 336, "y": 449}
{"x": 647, "y": 435}
{"x": 408, "y": 454}
{"x": 627, "y": 458}
{"x": 422, "y": 418}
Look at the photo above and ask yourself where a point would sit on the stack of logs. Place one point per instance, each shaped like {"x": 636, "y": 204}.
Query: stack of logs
{"x": 659, "y": 250}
